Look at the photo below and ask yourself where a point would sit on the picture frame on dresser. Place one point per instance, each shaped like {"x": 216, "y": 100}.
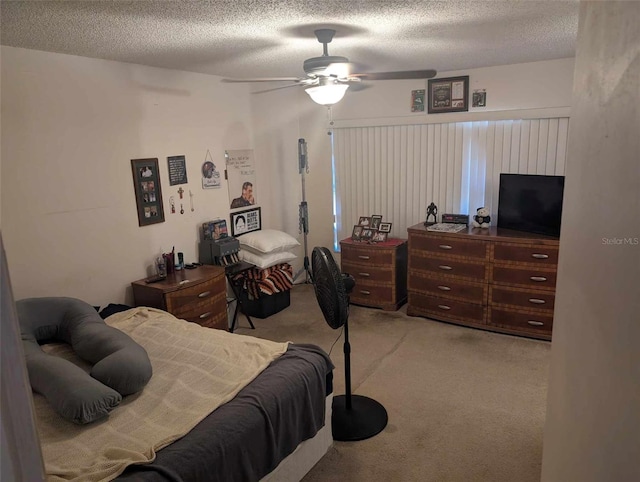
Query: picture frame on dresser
{"x": 385, "y": 227}
{"x": 376, "y": 219}
{"x": 357, "y": 232}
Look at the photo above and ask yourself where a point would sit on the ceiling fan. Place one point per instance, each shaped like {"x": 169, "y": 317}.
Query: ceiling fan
{"x": 328, "y": 77}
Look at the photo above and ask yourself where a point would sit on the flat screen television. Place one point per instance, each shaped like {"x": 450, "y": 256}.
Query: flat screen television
{"x": 531, "y": 203}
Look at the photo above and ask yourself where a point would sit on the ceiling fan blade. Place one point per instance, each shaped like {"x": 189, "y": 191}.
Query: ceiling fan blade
{"x": 265, "y": 79}
{"x": 276, "y": 88}
{"x": 407, "y": 74}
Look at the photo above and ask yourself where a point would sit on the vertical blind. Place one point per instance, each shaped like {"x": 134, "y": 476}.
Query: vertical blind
{"x": 396, "y": 171}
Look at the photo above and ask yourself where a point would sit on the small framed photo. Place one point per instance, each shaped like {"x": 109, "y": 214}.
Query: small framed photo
{"x": 367, "y": 234}
{"x": 146, "y": 185}
{"x": 357, "y": 233}
{"x": 379, "y": 237}
{"x": 364, "y": 221}
{"x": 376, "y": 219}
{"x": 385, "y": 227}
{"x": 245, "y": 221}
{"x": 448, "y": 95}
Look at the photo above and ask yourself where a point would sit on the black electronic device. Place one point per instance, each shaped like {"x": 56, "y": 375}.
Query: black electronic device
{"x": 155, "y": 279}
{"x": 531, "y": 203}
{"x": 354, "y": 417}
{"x": 223, "y": 251}
{"x": 455, "y": 218}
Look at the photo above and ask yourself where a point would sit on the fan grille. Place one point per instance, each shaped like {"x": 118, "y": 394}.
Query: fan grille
{"x": 329, "y": 288}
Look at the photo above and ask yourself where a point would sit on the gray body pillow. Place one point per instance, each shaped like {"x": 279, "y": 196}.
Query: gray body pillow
{"x": 120, "y": 366}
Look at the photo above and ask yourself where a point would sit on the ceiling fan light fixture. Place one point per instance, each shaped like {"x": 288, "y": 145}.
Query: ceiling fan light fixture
{"x": 327, "y": 94}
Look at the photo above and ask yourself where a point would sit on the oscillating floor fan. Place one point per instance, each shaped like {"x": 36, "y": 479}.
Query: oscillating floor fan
{"x": 355, "y": 417}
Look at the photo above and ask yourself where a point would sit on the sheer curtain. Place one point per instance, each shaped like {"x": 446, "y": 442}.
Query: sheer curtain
{"x": 396, "y": 171}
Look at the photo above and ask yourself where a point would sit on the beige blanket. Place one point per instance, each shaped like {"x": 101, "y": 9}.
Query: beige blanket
{"x": 195, "y": 370}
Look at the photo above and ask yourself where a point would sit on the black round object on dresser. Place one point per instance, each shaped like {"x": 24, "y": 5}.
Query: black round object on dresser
{"x": 354, "y": 417}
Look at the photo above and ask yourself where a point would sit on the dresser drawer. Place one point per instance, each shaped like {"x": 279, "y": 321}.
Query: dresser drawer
{"x": 533, "y": 278}
{"x": 366, "y": 256}
{"x": 448, "y": 288}
{"x": 192, "y": 298}
{"x": 372, "y": 295}
{"x": 445, "y": 309}
{"x": 540, "y": 254}
{"x": 368, "y": 273}
{"x": 448, "y": 246}
{"x": 449, "y": 267}
{"x": 521, "y": 320}
{"x": 522, "y": 298}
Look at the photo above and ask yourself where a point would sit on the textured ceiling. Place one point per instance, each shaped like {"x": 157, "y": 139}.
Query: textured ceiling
{"x": 266, "y": 38}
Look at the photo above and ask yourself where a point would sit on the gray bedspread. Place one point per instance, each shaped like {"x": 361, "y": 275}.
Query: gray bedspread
{"x": 246, "y": 438}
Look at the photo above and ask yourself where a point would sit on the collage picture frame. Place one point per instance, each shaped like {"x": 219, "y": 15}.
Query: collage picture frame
{"x": 148, "y": 191}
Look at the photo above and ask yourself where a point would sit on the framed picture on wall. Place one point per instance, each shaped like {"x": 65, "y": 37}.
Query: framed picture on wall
{"x": 448, "y": 95}
{"x": 245, "y": 221}
{"x": 146, "y": 185}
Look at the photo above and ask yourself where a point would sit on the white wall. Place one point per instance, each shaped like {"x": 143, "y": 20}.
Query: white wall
{"x": 592, "y": 430}
{"x": 282, "y": 116}
{"x": 70, "y": 127}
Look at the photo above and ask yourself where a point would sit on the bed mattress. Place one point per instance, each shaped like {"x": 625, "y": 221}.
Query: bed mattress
{"x": 246, "y": 438}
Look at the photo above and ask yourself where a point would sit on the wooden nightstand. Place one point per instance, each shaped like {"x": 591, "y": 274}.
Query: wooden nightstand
{"x": 198, "y": 295}
{"x": 380, "y": 271}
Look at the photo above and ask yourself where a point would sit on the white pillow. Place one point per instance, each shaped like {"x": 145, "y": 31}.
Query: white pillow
{"x": 267, "y": 241}
{"x": 266, "y": 260}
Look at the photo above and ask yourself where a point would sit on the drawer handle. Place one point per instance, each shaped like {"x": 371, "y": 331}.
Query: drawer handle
{"x": 366, "y": 275}
{"x": 539, "y": 279}
{"x": 445, "y": 267}
{"x": 204, "y": 294}
{"x": 445, "y": 246}
{"x": 540, "y": 256}
{"x": 444, "y": 288}
{"x": 535, "y": 323}
{"x": 205, "y": 315}
{"x": 537, "y": 301}
{"x": 361, "y": 256}
{"x": 444, "y": 307}
{"x": 364, "y": 292}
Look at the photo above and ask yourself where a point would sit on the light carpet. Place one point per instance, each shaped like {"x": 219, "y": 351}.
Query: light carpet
{"x": 463, "y": 404}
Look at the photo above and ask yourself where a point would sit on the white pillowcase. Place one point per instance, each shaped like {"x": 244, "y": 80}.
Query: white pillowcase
{"x": 266, "y": 260}
{"x": 267, "y": 241}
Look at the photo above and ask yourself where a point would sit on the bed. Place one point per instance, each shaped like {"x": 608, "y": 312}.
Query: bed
{"x": 268, "y": 422}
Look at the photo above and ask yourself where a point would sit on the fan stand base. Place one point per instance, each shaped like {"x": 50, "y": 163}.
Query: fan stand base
{"x": 365, "y": 419}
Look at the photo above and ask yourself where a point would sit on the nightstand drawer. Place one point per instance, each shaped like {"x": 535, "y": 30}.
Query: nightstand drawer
{"x": 449, "y": 246}
{"x": 368, "y": 273}
{"x": 366, "y": 256}
{"x": 371, "y": 295}
{"x": 187, "y": 299}
{"x": 198, "y": 295}
{"x": 541, "y": 255}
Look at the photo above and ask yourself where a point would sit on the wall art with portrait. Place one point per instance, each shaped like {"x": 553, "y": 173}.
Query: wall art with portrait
{"x": 245, "y": 221}
{"x": 146, "y": 185}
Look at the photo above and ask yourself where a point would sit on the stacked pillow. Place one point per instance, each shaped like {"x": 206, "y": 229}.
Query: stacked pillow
{"x": 267, "y": 247}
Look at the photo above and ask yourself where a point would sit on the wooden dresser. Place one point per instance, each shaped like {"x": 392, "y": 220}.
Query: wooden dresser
{"x": 494, "y": 279}
{"x": 380, "y": 272}
{"x": 198, "y": 295}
